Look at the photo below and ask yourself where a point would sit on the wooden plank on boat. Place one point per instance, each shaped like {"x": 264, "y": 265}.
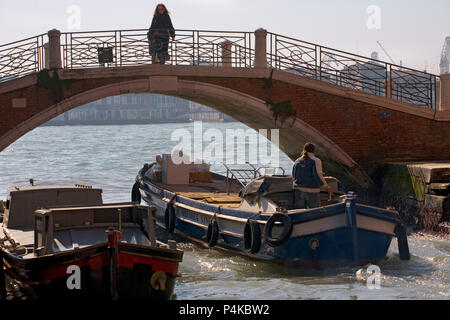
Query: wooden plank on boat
{"x": 209, "y": 197}
{"x": 319, "y": 225}
{"x": 220, "y": 200}
{"x": 377, "y": 225}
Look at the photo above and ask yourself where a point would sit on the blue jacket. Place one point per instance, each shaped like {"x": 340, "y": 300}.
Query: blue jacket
{"x": 304, "y": 174}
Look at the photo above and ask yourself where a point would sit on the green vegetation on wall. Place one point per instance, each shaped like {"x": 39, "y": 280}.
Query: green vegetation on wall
{"x": 49, "y": 79}
{"x": 268, "y": 81}
{"x": 282, "y": 110}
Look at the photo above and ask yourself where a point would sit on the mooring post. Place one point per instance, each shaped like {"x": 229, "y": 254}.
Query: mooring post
{"x": 260, "y": 48}
{"x": 350, "y": 206}
{"x": 402, "y": 240}
{"x": 54, "y": 49}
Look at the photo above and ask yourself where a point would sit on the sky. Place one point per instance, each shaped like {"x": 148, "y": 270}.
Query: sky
{"x": 411, "y": 31}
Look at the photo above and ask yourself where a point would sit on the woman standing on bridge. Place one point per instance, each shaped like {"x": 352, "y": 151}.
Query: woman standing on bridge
{"x": 158, "y": 34}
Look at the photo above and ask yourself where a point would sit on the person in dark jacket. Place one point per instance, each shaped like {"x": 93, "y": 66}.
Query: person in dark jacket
{"x": 308, "y": 179}
{"x": 158, "y": 34}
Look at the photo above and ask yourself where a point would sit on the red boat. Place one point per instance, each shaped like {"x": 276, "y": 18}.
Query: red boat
{"x": 63, "y": 242}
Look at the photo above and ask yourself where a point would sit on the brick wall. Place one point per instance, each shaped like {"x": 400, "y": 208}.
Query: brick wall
{"x": 368, "y": 133}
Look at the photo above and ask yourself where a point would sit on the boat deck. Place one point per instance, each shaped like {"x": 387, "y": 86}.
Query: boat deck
{"x": 214, "y": 193}
{"x": 231, "y": 200}
{"x": 22, "y": 237}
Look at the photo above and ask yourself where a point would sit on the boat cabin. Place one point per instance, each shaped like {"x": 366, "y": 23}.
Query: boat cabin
{"x": 41, "y": 220}
{"x": 23, "y": 201}
{"x": 67, "y": 228}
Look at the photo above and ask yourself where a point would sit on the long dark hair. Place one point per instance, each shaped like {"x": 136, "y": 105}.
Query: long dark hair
{"x": 308, "y": 147}
{"x": 160, "y": 5}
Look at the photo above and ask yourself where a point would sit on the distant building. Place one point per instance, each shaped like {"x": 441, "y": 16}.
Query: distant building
{"x": 445, "y": 57}
{"x": 414, "y": 87}
{"x": 198, "y": 112}
{"x": 138, "y": 108}
{"x": 369, "y": 76}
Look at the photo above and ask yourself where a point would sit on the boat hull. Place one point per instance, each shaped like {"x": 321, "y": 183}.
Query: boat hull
{"x": 320, "y": 237}
{"x": 137, "y": 273}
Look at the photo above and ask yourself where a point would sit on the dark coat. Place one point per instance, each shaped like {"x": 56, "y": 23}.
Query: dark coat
{"x": 304, "y": 173}
{"x": 159, "y": 32}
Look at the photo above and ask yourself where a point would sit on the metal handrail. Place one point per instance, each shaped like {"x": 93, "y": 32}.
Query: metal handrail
{"x": 244, "y": 176}
{"x": 191, "y": 47}
{"x": 376, "y": 77}
{"x": 22, "y": 57}
{"x": 268, "y": 167}
{"x": 195, "y": 47}
{"x": 349, "y": 53}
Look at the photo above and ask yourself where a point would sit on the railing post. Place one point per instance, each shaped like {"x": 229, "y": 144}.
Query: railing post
{"x": 226, "y": 53}
{"x": 46, "y": 56}
{"x": 54, "y": 49}
{"x": 389, "y": 85}
{"x": 444, "y": 104}
{"x": 438, "y": 93}
{"x": 260, "y": 48}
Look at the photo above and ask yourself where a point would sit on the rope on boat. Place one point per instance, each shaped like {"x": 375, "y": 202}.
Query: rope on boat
{"x": 13, "y": 246}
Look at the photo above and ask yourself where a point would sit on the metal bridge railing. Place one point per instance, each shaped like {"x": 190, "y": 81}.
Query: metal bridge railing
{"x": 130, "y": 47}
{"x": 351, "y": 70}
{"x": 22, "y": 57}
{"x": 224, "y": 48}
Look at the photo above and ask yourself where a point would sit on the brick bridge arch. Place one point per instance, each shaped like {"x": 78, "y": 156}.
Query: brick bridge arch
{"x": 354, "y": 131}
{"x": 243, "y": 107}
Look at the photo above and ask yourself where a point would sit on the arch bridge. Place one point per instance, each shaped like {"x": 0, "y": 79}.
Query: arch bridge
{"x": 360, "y": 112}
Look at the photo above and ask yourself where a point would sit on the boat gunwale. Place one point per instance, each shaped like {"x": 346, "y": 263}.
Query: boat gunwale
{"x": 41, "y": 261}
{"x": 29, "y": 265}
{"x": 137, "y": 249}
{"x": 305, "y": 215}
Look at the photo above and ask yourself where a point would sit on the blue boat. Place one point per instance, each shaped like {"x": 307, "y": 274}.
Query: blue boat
{"x": 251, "y": 212}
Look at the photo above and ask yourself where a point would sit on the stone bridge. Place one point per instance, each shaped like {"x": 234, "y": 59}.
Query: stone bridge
{"x": 360, "y": 112}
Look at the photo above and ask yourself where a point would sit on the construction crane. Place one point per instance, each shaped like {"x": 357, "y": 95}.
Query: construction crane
{"x": 445, "y": 57}
{"x": 384, "y": 50}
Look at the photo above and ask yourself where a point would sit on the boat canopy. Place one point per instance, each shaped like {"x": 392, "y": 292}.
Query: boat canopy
{"x": 265, "y": 185}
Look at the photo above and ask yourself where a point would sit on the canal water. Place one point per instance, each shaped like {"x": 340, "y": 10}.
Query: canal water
{"x": 109, "y": 157}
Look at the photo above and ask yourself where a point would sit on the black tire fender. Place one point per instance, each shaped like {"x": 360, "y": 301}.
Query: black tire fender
{"x": 285, "y": 234}
{"x": 170, "y": 218}
{"x": 252, "y": 236}
{"x": 135, "y": 193}
{"x": 212, "y": 234}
